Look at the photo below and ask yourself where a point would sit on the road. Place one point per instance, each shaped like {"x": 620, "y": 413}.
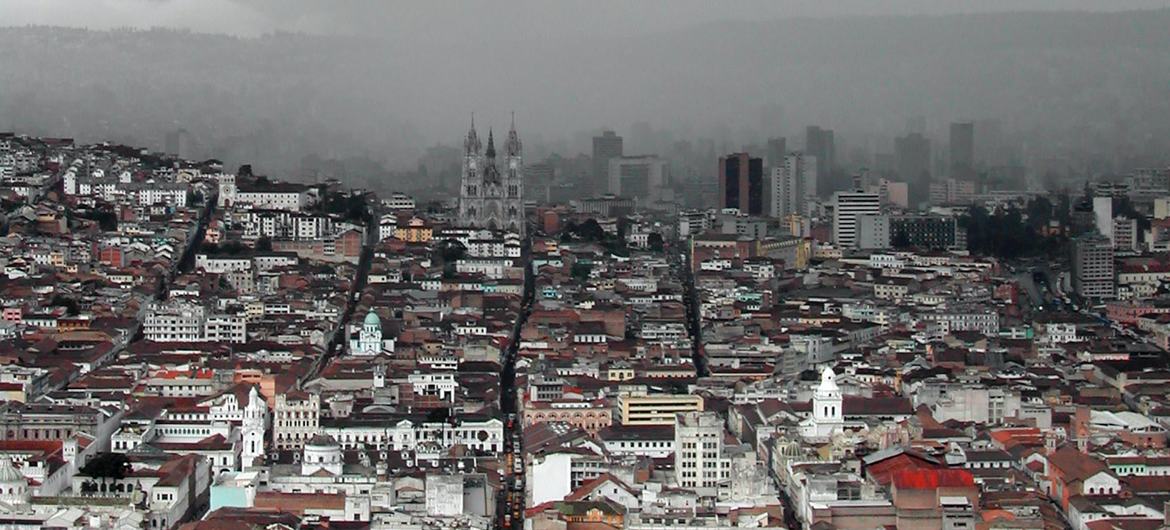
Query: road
{"x": 361, "y": 275}
{"x": 681, "y": 258}
{"x": 510, "y": 503}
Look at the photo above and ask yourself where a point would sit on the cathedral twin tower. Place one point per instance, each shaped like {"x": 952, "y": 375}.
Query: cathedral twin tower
{"x": 492, "y": 192}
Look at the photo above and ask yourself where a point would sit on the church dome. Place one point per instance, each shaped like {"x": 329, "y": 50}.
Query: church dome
{"x": 372, "y": 319}
{"x": 8, "y": 472}
{"x": 828, "y": 381}
{"x": 322, "y": 441}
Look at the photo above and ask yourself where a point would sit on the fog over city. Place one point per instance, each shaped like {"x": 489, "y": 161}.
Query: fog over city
{"x": 585, "y": 264}
{"x": 276, "y": 83}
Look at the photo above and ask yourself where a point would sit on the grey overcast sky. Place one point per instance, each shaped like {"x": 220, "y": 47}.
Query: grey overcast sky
{"x": 470, "y": 17}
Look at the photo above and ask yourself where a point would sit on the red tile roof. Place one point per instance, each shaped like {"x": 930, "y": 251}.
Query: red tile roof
{"x": 928, "y": 479}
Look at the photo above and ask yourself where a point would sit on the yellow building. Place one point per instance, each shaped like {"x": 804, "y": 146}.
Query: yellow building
{"x": 415, "y": 231}
{"x": 656, "y": 409}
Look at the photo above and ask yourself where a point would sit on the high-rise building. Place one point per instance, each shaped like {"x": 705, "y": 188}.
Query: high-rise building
{"x": 912, "y": 162}
{"x": 699, "y": 463}
{"x": 794, "y": 183}
{"x": 638, "y": 177}
{"x": 491, "y": 197}
{"x": 818, "y": 142}
{"x": 777, "y": 150}
{"x": 962, "y": 150}
{"x": 1125, "y": 232}
{"x": 741, "y": 183}
{"x": 605, "y": 148}
{"x": 926, "y": 232}
{"x": 848, "y": 207}
{"x": 1103, "y": 216}
{"x": 1092, "y": 264}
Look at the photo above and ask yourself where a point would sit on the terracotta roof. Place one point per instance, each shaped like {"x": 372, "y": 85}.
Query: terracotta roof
{"x": 1075, "y": 465}
{"x": 922, "y": 479}
{"x": 298, "y": 503}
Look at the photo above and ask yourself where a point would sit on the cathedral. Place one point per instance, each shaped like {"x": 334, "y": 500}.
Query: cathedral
{"x": 492, "y": 191}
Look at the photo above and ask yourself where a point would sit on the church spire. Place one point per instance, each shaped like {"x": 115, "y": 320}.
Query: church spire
{"x": 471, "y": 145}
{"x": 491, "y": 148}
{"x": 513, "y": 146}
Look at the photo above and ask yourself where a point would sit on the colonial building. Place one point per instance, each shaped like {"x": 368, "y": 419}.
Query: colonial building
{"x": 369, "y": 340}
{"x": 492, "y": 196}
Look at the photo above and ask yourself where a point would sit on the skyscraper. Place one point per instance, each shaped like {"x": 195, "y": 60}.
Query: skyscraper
{"x": 1092, "y": 264}
{"x": 777, "y": 150}
{"x": 912, "y": 161}
{"x": 741, "y": 183}
{"x": 793, "y": 185}
{"x": 818, "y": 142}
{"x": 962, "y": 149}
{"x": 638, "y": 177}
{"x": 605, "y": 148}
{"x": 848, "y": 207}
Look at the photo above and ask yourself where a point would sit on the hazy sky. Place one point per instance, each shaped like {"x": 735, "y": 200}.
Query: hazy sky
{"x": 471, "y": 17}
{"x": 409, "y": 74}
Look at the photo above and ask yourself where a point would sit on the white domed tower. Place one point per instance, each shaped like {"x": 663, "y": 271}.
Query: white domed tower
{"x": 254, "y": 428}
{"x": 828, "y": 415}
{"x": 369, "y": 341}
{"x": 13, "y": 485}
{"x": 322, "y": 452}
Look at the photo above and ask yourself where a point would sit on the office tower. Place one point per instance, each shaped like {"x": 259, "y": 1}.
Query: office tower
{"x": 178, "y": 143}
{"x": 818, "y": 142}
{"x": 1092, "y": 264}
{"x": 605, "y": 148}
{"x": 923, "y": 232}
{"x": 962, "y": 151}
{"x": 1125, "y": 232}
{"x": 741, "y": 183}
{"x": 698, "y": 457}
{"x": 912, "y": 162}
{"x": 848, "y": 206}
{"x": 1103, "y": 216}
{"x": 639, "y": 177}
{"x": 777, "y": 150}
{"x": 793, "y": 184}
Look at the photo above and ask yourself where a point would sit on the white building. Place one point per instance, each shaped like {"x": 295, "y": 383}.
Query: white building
{"x": 699, "y": 463}
{"x": 848, "y": 207}
{"x": 828, "y": 415}
{"x": 1103, "y": 215}
{"x": 295, "y": 419}
{"x": 253, "y": 429}
{"x": 369, "y": 341}
{"x": 272, "y": 196}
{"x": 226, "y": 328}
{"x": 175, "y": 321}
{"x": 793, "y": 185}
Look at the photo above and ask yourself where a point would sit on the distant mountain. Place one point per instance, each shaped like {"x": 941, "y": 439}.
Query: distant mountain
{"x": 1087, "y": 88}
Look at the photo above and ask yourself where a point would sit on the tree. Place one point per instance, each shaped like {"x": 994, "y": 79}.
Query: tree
{"x": 580, "y": 271}
{"x": 264, "y": 244}
{"x": 70, "y": 305}
{"x": 591, "y": 230}
{"x": 451, "y": 250}
{"x": 655, "y": 242}
{"x": 106, "y": 467}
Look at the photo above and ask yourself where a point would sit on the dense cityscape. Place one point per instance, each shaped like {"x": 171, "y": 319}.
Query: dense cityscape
{"x": 293, "y": 312}
{"x": 188, "y": 342}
